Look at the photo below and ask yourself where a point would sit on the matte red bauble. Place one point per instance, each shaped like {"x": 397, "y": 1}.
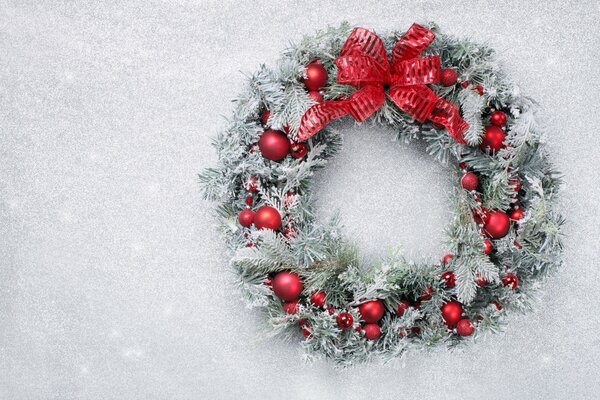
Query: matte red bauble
{"x": 315, "y": 96}
{"x": 290, "y": 307}
{"x": 264, "y": 116}
{"x": 318, "y": 299}
{"x": 496, "y": 225}
{"x": 498, "y": 118}
{"x": 371, "y": 311}
{"x": 510, "y": 281}
{"x": 493, "y": 138}
{"x": 299, "y": 150}
{"x": 273, "y": 145}
{"x": 469, "y": 181}
{"x": 316, "y": 76}
{"x": 487, "y": 246}
{"x": 246, "y": 217}
{"x": 449, "y": 279}
{"x": 464, "y": 327}
{"x": 402, "y": 307}
{"x": 344, "y": 320}
{"x": 287, "y": 286}
{"x": 448, "y": 77}
{"x": 267, "y": 217}
{"x": 372, "y": 331}
{"x": 451, "y": 312}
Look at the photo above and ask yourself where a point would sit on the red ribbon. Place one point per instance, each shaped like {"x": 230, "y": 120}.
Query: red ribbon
{"x": 363, "y": 63}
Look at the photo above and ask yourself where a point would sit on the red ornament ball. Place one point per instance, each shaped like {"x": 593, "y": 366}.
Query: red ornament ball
{"x": 510, "y": 281}
{"x": 469, "y": 181}
{"x": 287, "y": 286}
{"x": 426, "y": 294}
{"x": 318, "y": 299}
{"x": 315, "y": 96}
{"x": 464, "y": 327}
{"x": 372, "y": 331}
{"x": 299, "y": 150}
{"x": 264, "y": 116}
{"x": 481, "y": 215}
{"x": 402, "y": 307}
{"x": 344, "y": 320}
{"x": 246, "y": 217}
{"x": 267, "y": 217}
{"x": 274, "y": 145}
{"x": 449, "y": 278}
{"x": 498, "y": 118}
{"x": 306, "y": 332}
{"x": 448, "y": 77}
{"x": 497, "y": 224}
{"x": 517, "y": 214}
{"x": 479, "y": 89}
{"x": 465, "y": 84}
{"x": 371, "y": 311}
{"x": 480, "y": 280}
{"x": 447, "y": 258}
{"x": 316, "y": 76}
{"x": 497, "y": 305}
{"x": 493, "y": 138}
{"x": 451, "y": 312}
{"x": 487, "y": 246}
{"x": 290, "y": 307}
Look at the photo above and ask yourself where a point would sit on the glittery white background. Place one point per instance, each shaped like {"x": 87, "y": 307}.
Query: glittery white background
{"x": 113, "y": 281}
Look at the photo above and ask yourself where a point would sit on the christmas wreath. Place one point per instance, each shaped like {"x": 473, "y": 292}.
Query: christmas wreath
{"x": 503, "y": 240}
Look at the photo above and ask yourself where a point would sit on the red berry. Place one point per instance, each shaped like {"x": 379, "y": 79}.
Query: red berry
{"x": 464, "y": 327}
{"x": 510, "y": 281}
{"x": 330, "y": 310}
{"x": 480, "y": 280}
{"x": 449, "y": 278}
{"x": 372, "y": 331}
{"x": 448, "y": 77}
{"x": 246, "y": 217}
{"x": 318, "y": 299}
{"x": 469, "y": 181}
{"x": 306, "y": 332}
{"x": 299, "y": 150}
{"x": 487, "y": 246}
{"x": 402, "y": 307}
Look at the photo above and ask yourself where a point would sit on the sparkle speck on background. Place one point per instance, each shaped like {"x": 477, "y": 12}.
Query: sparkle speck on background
{"x": 113, "y": 278}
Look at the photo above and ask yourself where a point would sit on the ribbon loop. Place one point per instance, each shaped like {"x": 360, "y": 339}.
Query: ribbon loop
{"x": 363, "y": 64}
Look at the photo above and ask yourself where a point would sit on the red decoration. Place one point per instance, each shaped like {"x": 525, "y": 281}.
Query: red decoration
{"x": 290, "y": 307}
{"x": 447, "y": 258}
{"x": 330, "y": 310}
{"x": 516, "y": 182}
{"x": 493, "y": 138}
{"x": 264, "y": 116}
{"x": 479, "y": 89}
{"x": 517, "y": 214}
{"x": 318, "y": 299}
{"x": 465, "y": 84}
{"x": 497, "y": 305}
{"x": 299, "y": 150}
{"x": 469, "y": 181}
{"x": 451, "y": 312}
{"x": 306, "y": 332}
{"x": 481, "y": 215}
{"x": 363, "y": 63}
{"x": 510, "y": 281}
{"x": 246, "y": 217}
{"x": 274, "y": 145}
{"x": 289, "y": 233}
{"x": 316, "y": 76}
{"x": 267, "y": 217}
{"x": 402, "y": 307}
{"x": 426, "y": 294}
{"x": 268, "y": 281}
{"x": 498, "y": 118}
{"x": 344, "y": 320}
{"x": 487, "y": 246}
{"x": 448, "y": 77}
{"x": 315, "y": 96}
{"x": 449, "y": 278}
{"x": 249, "y": 200}
{"x": 371, "y": 311}
{"x": 464, "y": 327}
{"x": 287, "y": 286}
{"x": 250, "y": 184}
{"x": 372, "y": 331}
{"x": 497, "y": 224}
{"x": 480, "y": 280}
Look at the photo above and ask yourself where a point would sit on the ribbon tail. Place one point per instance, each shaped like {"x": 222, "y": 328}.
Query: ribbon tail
{"x": 446, "y": 114}
{"x": 416, "y": 101}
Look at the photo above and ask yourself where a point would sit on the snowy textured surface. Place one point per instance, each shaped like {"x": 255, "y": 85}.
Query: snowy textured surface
{"x": 113, "y": 281}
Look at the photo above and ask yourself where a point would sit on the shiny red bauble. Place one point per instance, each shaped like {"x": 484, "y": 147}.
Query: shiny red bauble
{"x": 497, "y": 224}
{"x": 246, "y": 217}
{"x": 510, "y": 281}
{"x": 344, "y": 320}
{"x": 464, "y": 327}
{"x": 493, "y": 138}
{"x": 318, "y": 299}
{"x": 487, "y": 246}
{"x": 498, "y": 118}
{"x": 315, "y": 96}
{"x": 372, "y": 331}
{"x": 264, "y": 116}
{"x": 481, "y": 215}
{"x": 299, "y": 150}
{"x": 290, "y": 307}
{"x": 402, "y": 307}
{"x": 316, "y": 76}
{"x": 287, "y": 286}
{"x": 274, "y": 145}
{"x": 267, "y": 217}
{"x": 447, "y": 258}
{"x": 480, "y": 280}
{"x": 517, "y": 214}
{"x": 449, "y": 279}
{"x": 451, "y": 312}
{"x": 371, "y": 311}
{"x": 448, "y": 77}
{"x": 469, "y": 181}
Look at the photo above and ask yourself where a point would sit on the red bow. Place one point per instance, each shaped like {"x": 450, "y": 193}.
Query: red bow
{"x": 363, "y": 63}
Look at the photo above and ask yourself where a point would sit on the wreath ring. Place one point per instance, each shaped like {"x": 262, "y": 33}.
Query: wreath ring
{"x": 504, "y": 238}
